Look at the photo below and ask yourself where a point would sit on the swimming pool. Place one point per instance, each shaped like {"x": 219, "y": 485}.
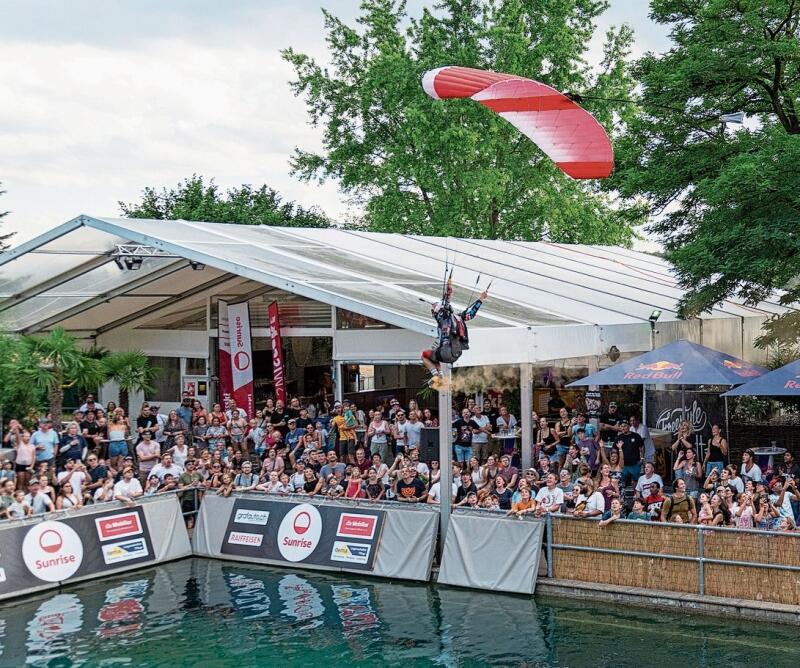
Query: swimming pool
{"x": 218, "y": 614}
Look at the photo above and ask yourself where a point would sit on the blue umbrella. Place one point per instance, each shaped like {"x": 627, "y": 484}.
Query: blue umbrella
{"x": 677, "y": 363}
{"x": 783, "y": 382}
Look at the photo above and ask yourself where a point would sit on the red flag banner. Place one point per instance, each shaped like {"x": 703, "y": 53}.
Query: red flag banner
{"x": 241, "y": 356}
{"x": 224, "y": 353}
{"x": 278, "y": 369}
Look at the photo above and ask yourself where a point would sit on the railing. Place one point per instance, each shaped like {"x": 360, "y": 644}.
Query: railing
{"x": 655, "y": 555}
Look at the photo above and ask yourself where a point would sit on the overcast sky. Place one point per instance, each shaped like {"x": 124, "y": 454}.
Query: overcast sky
{"x": 102, "y": 98}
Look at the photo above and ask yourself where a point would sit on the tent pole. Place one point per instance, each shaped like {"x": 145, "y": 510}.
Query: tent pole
{"x": 526, "y": 417}
{"x": 445, "y": 452}
{"x": 683, "y": 404}
{"x": 727, "y": 425}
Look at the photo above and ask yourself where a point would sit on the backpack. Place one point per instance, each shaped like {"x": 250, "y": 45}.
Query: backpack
{"x": 687, "y": 498}
{"x": 350, "y": 420}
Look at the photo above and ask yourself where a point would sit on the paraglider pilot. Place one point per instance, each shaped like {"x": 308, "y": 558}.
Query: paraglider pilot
{"x": 452, "y": 337}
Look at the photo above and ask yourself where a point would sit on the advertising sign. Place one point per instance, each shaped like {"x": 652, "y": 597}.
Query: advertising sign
{"x": 241, "y": 351}
{"x": 224, "y": 348}
{"x": 57, "y": 550}
{"x": 278, "y": 369}
{"x": 303, "y": 533}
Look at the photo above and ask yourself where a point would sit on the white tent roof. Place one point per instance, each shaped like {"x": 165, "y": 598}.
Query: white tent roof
{"x": 68, "y": 277}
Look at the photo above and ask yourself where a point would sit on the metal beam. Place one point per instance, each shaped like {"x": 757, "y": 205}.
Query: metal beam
{"x": 259, "y": 274}
{"x": 50, "y": 283}
{"x": 132, "y": 317}
{"x": 72, "y": 311}
{"x": 526, "y": 414}
{"x": 445, "y": 452}
{"x": 42, "y": 239}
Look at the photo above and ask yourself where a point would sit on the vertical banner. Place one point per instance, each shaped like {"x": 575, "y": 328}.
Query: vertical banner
{"x": 278, "y": 371}
{"x": 224, "y": 348}
{"x": 241, "y": 356}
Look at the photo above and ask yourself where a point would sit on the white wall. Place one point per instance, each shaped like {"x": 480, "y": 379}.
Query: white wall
{"x": 158, "y": 342}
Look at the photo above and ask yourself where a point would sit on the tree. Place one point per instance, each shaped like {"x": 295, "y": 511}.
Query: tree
{"x": 456, "y": 168}
{"x": 726, "y": 201}
{"x": 19, "y": 398}
{"x": 193, "y": 199}
{"x": 131, "y": 371}
{"x": 4, "y": 237}
{"x": 52, "y": 363}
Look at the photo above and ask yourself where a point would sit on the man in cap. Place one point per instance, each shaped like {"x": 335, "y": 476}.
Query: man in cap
{"x": 46, "y": 441}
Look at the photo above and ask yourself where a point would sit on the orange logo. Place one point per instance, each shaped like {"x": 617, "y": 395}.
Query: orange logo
{"x": 660, "y": 366}
{"x": 731, "y": 364}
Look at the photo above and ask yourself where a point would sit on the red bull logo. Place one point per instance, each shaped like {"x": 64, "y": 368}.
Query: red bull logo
{"x": 792, "y": 384}
{"x": 745, "y": 371}
{"x": 661, "y": 370}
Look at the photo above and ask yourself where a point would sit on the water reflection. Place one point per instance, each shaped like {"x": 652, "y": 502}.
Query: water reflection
{"x": 215, "y": 614}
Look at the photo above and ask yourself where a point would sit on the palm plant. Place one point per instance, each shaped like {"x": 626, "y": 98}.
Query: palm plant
{"x": 131, "y": 371}
{"x": 54, "y": 362}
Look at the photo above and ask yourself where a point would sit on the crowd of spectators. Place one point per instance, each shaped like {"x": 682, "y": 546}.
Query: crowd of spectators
{"x": 603, "y": 470}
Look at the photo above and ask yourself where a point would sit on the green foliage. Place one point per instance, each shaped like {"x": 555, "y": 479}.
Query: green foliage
{"x": 455, "y": 168}
{"x": 193, "y": 199}
{"x": 727, "y": 201}
{"x": 19, "y": 398}
{"x": 51, "y": 362}
{"x": 4, "y": 237}
{"x": 131, "y": 371}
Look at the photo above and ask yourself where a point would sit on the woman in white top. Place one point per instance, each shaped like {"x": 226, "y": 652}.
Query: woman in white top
{"x": 67, "y": 498}
{"x": 179, "y": 451}
{"x": 378, "y": 436}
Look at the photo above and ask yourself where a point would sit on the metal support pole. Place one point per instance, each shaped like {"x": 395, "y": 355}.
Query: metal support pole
{"x": 701, "y": 570}
{"x": 445, "y": 452}
{"x": 338, "y": 382}
{"x": 683, "y": 403}
{"x": 526, "y": 410}
{"x": 549, "y": 532}
{"x": 727, "y": 425}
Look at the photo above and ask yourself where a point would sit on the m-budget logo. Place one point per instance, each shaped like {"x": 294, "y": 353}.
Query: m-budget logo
{"x": 246, "y": 516}
{"x": 354, "y": 553}
{"x": 299, "y": 532}
{"x": 124, "y": 550}
{"x": 52, "y": 551}
{"x": 353, "y": 525}
{"x": 118, "y": 526}
{"x": 243, "y": 538}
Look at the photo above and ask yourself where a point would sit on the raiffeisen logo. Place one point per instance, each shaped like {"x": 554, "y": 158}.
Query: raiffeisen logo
{"x": 52, "y": 551}
{"x": 299, "y": 532}
{"x": 661, "y": 370}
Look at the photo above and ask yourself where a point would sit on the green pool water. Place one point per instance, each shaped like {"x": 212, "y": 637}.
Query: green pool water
{"x": 208, "y": 613}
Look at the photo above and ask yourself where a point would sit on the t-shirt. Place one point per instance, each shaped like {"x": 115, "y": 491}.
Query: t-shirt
{"x": 40, "y": 503}
{"x": 337, "y": 469}
{"x": 479, "y": 423}
{"x": 413, "y": 433}
{"x": 595, "y": 502}
{"x": 653, "y": 504}
{"x": 753, "y": 474}
{"x": 550, "y": 497}
{"x": 589, "y": 448}
{"x": 638, "y": 516}
{"x": 160, "y": 470}
{"x": 130, "y": 488}
{"x": 462, "y": 433}
{"x": 244, "y": 479}
{"x": 609, "y": 419}
{"x": 276, "y": 418}
{"x": 504, "y": 498}
{"x": 785, "y": 509}
{"x": 522, "y": 505}
{"x": 49, "y": 441}
{"x": 682, "y": 507}
{"x": 631, "y": 444}
{"x": 435, "y": 490}
{"x": 463, "y": 492}
{"x": 145, "y": 449}
{"x": 407, "y": 490}
{"x": 589, "y": 429}
{"x": 643, "y": 485}
{"x": 97, "y": 473}
{"x": 150, "y": 423}
{"x": 16, "y": 511}
{"x": 345, "y": 434}
{"x": 75, "y": 478}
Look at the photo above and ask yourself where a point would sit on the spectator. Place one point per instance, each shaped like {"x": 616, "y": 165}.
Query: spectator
{"x": 716, "y": 452}
{"x": 97, "y": 472}
{"x": 654, "y": 503}
{"x": 467, "y": 486}
{"x": 410, "y": 489}
{"x": 610, "y": 423}
{"x": 683, "y": 438}
{"x": 354, "y": 488}
{"x": 67, "y": 498}
{"x": 680, "y": 504}
{"x": 481, "y": 430}
{"x": 638, "y": 427}
{"x": 378, "y": 436}
{"x": 631, "y": 445}
{"x": 374, "y": 489}
{"x": 104, "y": 493}
{"x": 462, "y": 437}
{"x": 589, "y": 503}
{"x": 789, "y": 468}
{"x": 503, "y": 493}
{"x": 590, "y": 450}
{"x": 613, "y": 514}
{"x": 413, "y": 429}
{"x": 25, "y": 458}
{"x": 581, "y": 425}
{"x": 20, "y": 508}
{"x": 173, "y": 426}
{"x": 46, "y": 442}
{"x": 184, "y": 411}
{"x": 563, "y": 433}
{"x": 545, "y": 441}
{"x": 526, "y": 505}
{"x": 246, "y": 480}
{"x": 73, "y": 445}
{"x": 549, "y": 498}
{"x": 508, "y": 472}
{"x": 645, "y": 481}
{"x": 129, "y": 488}
{"x": 147, "y": 451}
{"x": 638, "y": 512}
{"x": 166, "y": 467}
{"x": 345, "y": 425}
{"x": 784, "y": 492}
{"x": 750, "y": 470}
{"x": 570, "y": 490}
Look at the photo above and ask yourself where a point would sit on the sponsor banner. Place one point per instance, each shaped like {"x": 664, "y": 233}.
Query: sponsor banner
{"x": 278, "y": 370}
{"x": 118, "y": 526}
{"x": 701, "y": 410}
{"x": 224, "y": 354}
{"x": 126, "y": 550}
{"x": 55, "y": 551}
{"x": 245, "y": 516}
{"x": 304, "y": 533}
{"x": 356, "y": 525}
{"x": 350, "y": 552}
{"x": 241, "y": 351}
{"x": 244, "y": 538}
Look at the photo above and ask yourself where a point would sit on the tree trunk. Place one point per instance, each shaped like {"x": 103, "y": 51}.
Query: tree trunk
{"x": 124, "y": 400}
{"x": 56, "y": 398}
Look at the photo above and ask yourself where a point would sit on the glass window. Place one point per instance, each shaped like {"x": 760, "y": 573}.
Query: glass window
{"x": 195, "y": 366}
{"x": 167, "y": 385}
{"x": 348, "y": 320}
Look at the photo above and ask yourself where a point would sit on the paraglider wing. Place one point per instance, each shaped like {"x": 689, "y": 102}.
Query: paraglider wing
{"x": 568, "y": 134}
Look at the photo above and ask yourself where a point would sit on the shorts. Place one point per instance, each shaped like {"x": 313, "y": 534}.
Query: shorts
{"x": 463, "y": 453}
{"x": 348, "y": 447}
{"x": 22, "y": 468}
{"x": 118, "y": 448}
{"x": 562, "y": 449}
